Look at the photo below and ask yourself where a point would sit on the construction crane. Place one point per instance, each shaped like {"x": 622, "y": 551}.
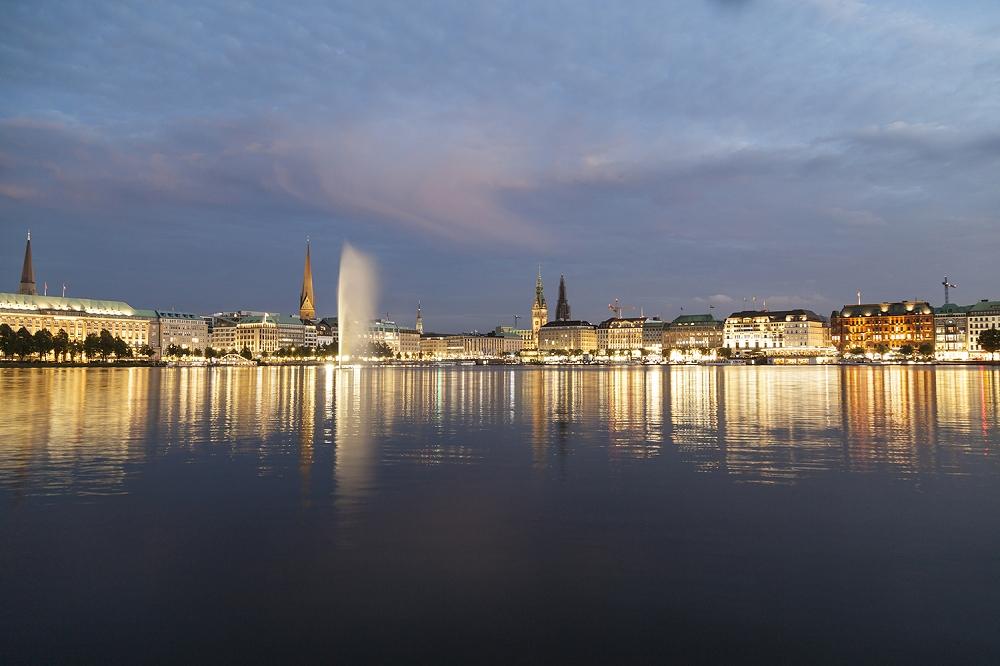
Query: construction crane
{"x": 948, "y": 285}
{"x": 617, "y": 308}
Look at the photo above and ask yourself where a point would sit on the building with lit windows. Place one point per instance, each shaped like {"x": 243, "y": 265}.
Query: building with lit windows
{"x": 568, "y": 336}
{"x": 263, "y": 333}
{"x": 652, "y": 335}
{"x": 887, "y": 326}
{"x": 777, "y": 332}
{"x": 697, "y": 331}
{"x": 951, "y": 332}
{"x": 983, "y": 316}
{"x": 188, "y": 331}
{"x": 79, "y": 317}
{"x": 621, "y": 334}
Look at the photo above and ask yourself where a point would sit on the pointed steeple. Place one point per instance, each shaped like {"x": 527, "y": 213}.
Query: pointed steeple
{"x": 562, "y": 305}
{"x": 27, "y": 272}
{"x": 539, "y": 293}
{"x": 307, "y": 302}
{"x": 420, "y": 320}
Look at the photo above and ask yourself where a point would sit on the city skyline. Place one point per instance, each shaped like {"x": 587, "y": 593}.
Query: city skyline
{"x": 813, "y": 149}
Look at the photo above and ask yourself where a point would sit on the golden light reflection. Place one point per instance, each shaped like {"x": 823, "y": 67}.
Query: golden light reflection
{"x": 88, "y": 431}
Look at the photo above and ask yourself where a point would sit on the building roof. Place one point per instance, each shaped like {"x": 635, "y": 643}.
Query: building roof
{"x": 174, "y": 315}
{"x": 622, "y": 322}
{"x": 568, "y": 323}
{"x": 984, "y": 306}
{"x": 951, "y": 308}
{"x": 779, "y": 315}
{"x": 899, "y": 309}
{"x": 688, "y": 320}
{"x": 35, "y": 303}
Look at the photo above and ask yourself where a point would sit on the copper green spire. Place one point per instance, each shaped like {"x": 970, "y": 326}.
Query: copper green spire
{"x": 27, "y": 272}
{"x": 307, "y": 302}
{"x": 539, "y": 293}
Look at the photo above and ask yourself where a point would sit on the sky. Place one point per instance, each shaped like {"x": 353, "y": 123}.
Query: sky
{"x": 673, "y": 155}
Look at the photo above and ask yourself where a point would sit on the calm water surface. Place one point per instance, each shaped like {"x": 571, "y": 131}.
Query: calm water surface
{"x": 500, "y": 515}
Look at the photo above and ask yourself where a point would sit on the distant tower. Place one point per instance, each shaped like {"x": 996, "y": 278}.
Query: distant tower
{"x": 420, "y": 320}
{"x": 307, "y": 302}
{"x": 539, "y": 310}
{"x": 562, "y": 305}
{"x": 27, "y": 272}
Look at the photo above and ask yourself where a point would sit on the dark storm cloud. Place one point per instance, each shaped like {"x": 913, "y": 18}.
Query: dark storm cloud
{"x": 661, "y": 154}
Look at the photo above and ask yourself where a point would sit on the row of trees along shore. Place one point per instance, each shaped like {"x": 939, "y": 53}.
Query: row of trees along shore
{"x": 44, "y": 344}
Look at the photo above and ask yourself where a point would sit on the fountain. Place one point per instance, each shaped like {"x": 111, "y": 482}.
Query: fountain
{"x": 356, "y": 294}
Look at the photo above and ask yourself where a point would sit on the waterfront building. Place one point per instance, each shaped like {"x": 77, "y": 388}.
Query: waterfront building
{"x": 186, "y": 330}
{"x": 434, "y": 345}
{"x": 785, "y": 331}
{"x": 327, "y": 332}
{"x": 983, "y": 316}
{"x": 621, "y": 334}
{"x": 307, "y": 300}
{"x": 951, "y": 332}
{"x": 496, "y": 344}
{"x": 263, "y": 333}
{"x": 568, "y": 336}
{"x": 890, "y": 326}
{"x": 79, "y": 317}
{"x": 539, "y": 310}
{"x": 652, "y": 335}
{"x": 697, "y": 331}
{"x": 27, "y": 286}
{"x": 562, "y": 305}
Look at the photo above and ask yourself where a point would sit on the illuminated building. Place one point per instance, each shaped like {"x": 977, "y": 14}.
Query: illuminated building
{"x": 620, "y": 334}
{"x": 79, "y": 317}
{"x": 983, "y": 316}
{"x": 652, "y": 335}
{"x": 260, "y": 332}
{"x": 327, "y": 331}
{"x": 892, "y": 325}
{"x": 951, "y": 332}
{"x": 790, "y": 331}
{"x": 699, "y": 331}
{"x": 539, "y": 310}
{"x": 496, "y": 344}
{"x": 188, "y": 331}
{"x": 568, "y": 336}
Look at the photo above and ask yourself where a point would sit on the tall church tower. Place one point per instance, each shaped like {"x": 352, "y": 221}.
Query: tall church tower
{"x": 562, "y": 305}
{"x": 27, "y": 272}
{"x": 420, "y": 320}
{"x": 307, "y": 302}
{"x": 539, "y": 310}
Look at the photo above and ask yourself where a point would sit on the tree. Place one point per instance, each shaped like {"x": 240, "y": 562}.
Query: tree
{"x": 75, "y": 347}
{"x": 210, "y": 353}
{"x": 105, "y": 344}
{"x": 43, "y": 342}
{"x": 881, "y": 349}
{"x": 121, "y": 348}
{"x": 60, "y": 344}
{"x": 989, "y": 340}
{"x": 7, "y": 338}
{"x": 926, "y": 349}
{"x": 24, "y": 343}
{"x": 91, "y": 345}
{"x": 906, "y": 351}
{"x": 856, "y": 351}
{"x": 147, "y": 351}
{"x": 725, "y": 352}
{"x": 245, "y": 353}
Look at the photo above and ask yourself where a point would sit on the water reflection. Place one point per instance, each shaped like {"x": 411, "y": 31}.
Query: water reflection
{"x": 347, "y": 432}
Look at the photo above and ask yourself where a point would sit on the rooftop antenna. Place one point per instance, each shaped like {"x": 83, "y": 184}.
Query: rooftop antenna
{"x": 947, "y": 285}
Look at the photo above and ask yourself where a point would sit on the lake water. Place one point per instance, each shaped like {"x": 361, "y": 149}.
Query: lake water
{"x": 500, "y": 514}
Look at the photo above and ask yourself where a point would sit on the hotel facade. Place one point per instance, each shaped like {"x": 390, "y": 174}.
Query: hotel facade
{"x": 778, "y": 332}
{"x": 888, "y": 326}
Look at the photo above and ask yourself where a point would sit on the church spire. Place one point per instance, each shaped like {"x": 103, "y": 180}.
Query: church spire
{"x": 307, "y": 302}
{"x": 27, "y": 272}
{"x": 562, "y": 306}
{"x": 420, "y": 320}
